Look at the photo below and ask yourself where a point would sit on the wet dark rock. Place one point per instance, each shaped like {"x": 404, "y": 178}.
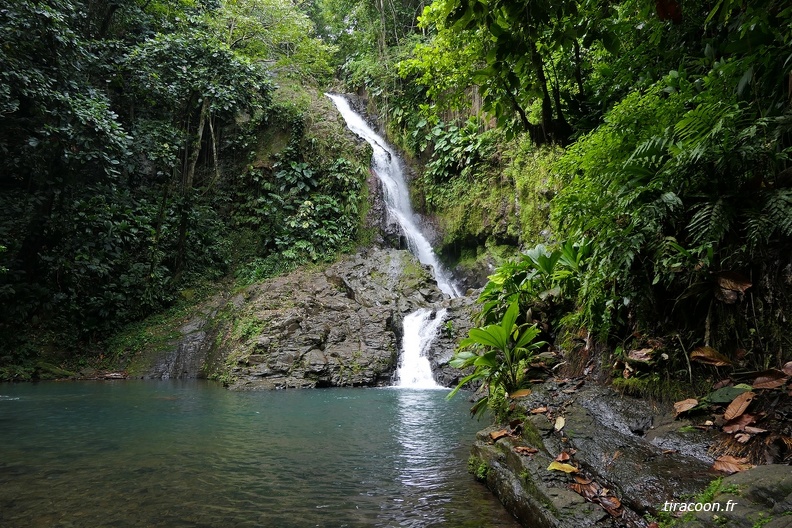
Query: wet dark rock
{"x": 615, "y": 443}
{"x": 761, "y": 496}
{"x": 335, "y": 327}
{"x": 458, "y": 321}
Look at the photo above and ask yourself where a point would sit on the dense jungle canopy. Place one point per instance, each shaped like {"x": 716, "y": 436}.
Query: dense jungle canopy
{"x": 636, "y": 151}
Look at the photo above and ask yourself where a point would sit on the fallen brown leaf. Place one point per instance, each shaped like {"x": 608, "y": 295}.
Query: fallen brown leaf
{"x": 525, "y": 450}
{"x": 643, "y": 355}
{"x": 612, "y": 505}
{"x": 685, "y": 405}
{"x": 563, "y": 456}
{"x": 731, "y": 286}
{"x": 588, "y": 490}
{"x": 729, "y": 464}
{"x": 722, "y": 383}
{"x": 787, "y": 368}
{"x": 739, "y": 405}
{"x": 497, "y": 435}
{"x": 709, "y": 356}
{"x": 770, "y": 379}
{"x": 754, "y": 430}
{"x": 738, "y": 424}
{"x": 522, "y": 393}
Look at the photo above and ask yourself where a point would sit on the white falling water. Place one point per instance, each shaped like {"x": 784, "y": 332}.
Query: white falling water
{"x": 420, "y": 328}
{"x": 388, "y": 168}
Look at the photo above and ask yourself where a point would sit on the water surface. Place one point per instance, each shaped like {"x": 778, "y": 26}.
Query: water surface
{"x": 191, "y": 454}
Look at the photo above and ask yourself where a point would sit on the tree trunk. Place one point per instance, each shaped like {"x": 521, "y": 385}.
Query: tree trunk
{"x": 547, "y": 104}
{"x": 187, "y": 186}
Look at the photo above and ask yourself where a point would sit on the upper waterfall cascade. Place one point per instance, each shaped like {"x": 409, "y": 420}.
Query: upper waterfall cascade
{"x": 387, "y": 165}
{"x": 420, "y": 328}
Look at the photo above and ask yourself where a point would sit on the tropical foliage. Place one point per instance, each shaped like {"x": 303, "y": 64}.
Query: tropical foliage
{"x": 139, "y": 140}
{"x": 499, "y": 354}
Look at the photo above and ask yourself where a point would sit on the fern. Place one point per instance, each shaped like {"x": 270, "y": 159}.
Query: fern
{"x": 711, "y": 221}
{"x": 778, "y": 205}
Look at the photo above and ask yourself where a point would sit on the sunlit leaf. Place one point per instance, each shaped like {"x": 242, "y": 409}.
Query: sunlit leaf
{"x": 559, "y": 466}
{"x": 559, "y": 423}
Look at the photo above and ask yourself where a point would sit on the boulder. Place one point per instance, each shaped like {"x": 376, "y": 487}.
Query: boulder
{"x": 333, "y": 328}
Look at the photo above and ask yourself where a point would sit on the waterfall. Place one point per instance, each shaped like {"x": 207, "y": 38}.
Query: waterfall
{"x": 420, "y": 330}
{"x": 388, "y": 167}
{"x": 419, "y": 327}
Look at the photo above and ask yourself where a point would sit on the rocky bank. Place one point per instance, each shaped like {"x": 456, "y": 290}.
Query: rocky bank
{"x": 339, "y": 326}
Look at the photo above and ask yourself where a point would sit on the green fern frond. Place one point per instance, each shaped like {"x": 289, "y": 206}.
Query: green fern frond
{"x": 778, "y": 205}
{"x": 711, "y": 221}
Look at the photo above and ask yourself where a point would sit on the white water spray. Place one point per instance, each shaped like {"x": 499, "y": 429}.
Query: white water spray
{"x": 420, "y": 328}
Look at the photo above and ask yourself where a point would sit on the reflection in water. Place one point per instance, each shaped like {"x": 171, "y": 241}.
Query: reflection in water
{"x": 175, "y": 454}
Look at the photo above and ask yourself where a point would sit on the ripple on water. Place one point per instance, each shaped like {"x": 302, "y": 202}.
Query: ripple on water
{"x": 192, "y": 454}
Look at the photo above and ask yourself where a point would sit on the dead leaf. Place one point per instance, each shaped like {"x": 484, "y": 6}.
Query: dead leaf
{"x": 563, "y": 456}
{"x": 731, "y": 286}
{"x": 709, "y": 356}
{"x": 739, "y": 405}
{"x": 685, "y": 405}
{"x": 612, "y": 505}
{"x": 539, "y": 410}
{"x": 729, "y": 464}
{"x": 497, "y": 435}
{"x": 585, "y": 487}
{"x": 755, "y": 430}
{"x": 770, "y": 379}
{"x": 559, "y": 423}
{"x": 559, "y": 466}
{"x": 722, "y": 383}
{"x": 643, "y": 355}
{"x": 738, "y": 424}
{"x": 522, "y": 393}
{"x": 525, "y": 450}
{"x": 787, "y": 368}
{"x": 742, "y": 438}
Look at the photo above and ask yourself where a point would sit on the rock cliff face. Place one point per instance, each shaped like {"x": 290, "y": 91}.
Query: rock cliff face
{"x": 331, "y": 328}
{"x": 341, "y": 326}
